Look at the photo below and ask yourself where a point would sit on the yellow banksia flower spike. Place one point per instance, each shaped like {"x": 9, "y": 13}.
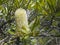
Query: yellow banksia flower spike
{"x": 21, "y": 19}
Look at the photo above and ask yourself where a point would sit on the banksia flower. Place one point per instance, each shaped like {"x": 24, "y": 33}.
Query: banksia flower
{"x": 21, "y": 19}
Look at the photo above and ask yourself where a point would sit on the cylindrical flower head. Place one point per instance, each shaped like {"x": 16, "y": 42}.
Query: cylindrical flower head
{"x": 21, "y": 22}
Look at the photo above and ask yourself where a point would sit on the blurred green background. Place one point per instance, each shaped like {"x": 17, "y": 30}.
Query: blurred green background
{"x": 43, "y": 18}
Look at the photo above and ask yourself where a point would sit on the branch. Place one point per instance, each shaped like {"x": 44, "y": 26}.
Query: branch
{"x": 3, "y": 40}
{"x": 48, "y": 35}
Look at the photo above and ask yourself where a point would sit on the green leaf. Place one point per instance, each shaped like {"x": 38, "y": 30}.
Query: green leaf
{"x": 10, "y": 32}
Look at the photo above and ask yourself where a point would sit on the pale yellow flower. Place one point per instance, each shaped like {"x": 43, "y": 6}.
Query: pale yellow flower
{"x": 21, "y": 22}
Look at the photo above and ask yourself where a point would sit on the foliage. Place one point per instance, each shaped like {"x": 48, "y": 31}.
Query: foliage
{"x": 43, "y": 18}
